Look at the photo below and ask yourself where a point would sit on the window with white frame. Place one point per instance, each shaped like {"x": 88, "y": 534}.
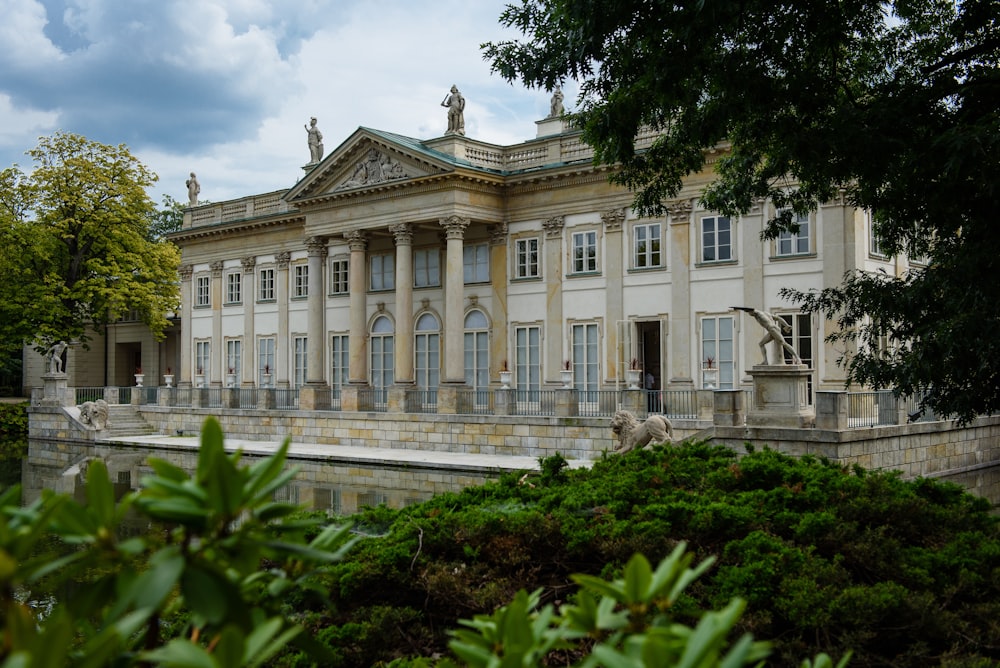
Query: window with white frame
{"x": 427, "y": 352}
{"x": 584, "y": 252}
{"x": 202, "y": 285}
{"x": 426, "y": 267}
{"x": 717, "y": 349}
{"x": 526, "y": 258}
{"x": 202, "y": 357}
{"x": 476, "y": 262}
{"x": 476, "y": 346}
{"x": 874, "y": 246}
{"x": 586, "y": 366}
{"x": 716, "y": 239}
{"x": 234, "y": 358}
{"x": 646, "y": 245}
{"x": 383, "y": 272}
{"x": 265, "y": 359}
{"x": 300, "y": 280}
{"x": 528, "y": 358}
{"x": 799, "y": 337}
{"x": 795, "y": 243}
{"x": 266, "y": 280}
{"x": 234, "y": 287}
{"x": 339, "y": 273}
{"x": 340, "y": 356}
{"x": 382, "y": 353}
{"x": 300, "y": 346}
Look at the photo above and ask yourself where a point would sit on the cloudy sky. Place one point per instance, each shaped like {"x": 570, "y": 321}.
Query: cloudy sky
{"x": 224, "y": 87}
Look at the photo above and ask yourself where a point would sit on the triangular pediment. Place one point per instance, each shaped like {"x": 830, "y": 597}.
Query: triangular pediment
{"x": 369, "y": 160}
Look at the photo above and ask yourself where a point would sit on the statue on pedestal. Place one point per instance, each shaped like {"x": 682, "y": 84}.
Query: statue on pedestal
{"x": 315, "y": 141}
{"x": 775, "y": 327}
{"x": 456, "y": 112}
{"x": 54, "y": 355}
{"x": 193, "y": 189}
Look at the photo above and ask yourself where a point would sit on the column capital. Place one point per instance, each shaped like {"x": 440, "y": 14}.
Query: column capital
{"x": 185, "y": 271}
{"x": 357, "y": 240}
{"x": 613, "y": 219}
{"x": 283, "y": 258}
{"x": 216, "y": 268}
{"x": 402, "y": 233}
{"x": 316, "y": 245}
{"x": 455, "y": 226}
{"x": 248, "y": 262}
{"x": 680, "y": 210}
{"x": 498, "y": 234}
{"x": 554, "y": 226}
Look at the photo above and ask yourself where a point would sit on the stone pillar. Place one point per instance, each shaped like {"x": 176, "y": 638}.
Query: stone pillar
{"x": 219, "y": 356}
{"x": 553, "y": 332}
{"x": 358, "y": 338}
{"x": 567, "y": 402}
{"x": 831, "y": 410}
{"x": 634, "y": 401}
{"x": 614, "y": 220}
{"x": 706, "y": 404}
{"x": 187, "y": 361}
{"x": 499, "y": 268}
{"x": 281, "y": 345}
{"x": 316, "y": 321}
{"x": 781, "y": 396}
{"x": 249, "y": 370}
{"x": 55, "y": 391}
{"x": 454, "y": 359}
{"x": 679, "y": 357}
{"x": 504, "y": 402}
{"x": 403, "y": 235}
{"x": 729, "y": 411}
{"x": 753, "y": 251}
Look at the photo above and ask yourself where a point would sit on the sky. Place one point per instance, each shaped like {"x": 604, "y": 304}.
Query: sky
{"x": 224, "y": 88}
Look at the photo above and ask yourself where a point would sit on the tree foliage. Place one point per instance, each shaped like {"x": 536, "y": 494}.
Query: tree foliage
{"x": 77, "y": 250}
{"x": 890, "y": 106}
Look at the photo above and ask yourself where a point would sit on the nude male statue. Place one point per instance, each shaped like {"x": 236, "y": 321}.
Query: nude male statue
{"x": 775, "y": 327}
{"x": 54, "y": 355}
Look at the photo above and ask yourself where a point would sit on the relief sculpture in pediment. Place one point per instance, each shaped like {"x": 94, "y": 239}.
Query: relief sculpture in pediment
{"x": 373, "y": 169}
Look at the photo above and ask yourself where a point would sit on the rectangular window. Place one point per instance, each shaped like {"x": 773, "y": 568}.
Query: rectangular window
{"x": 874, "y": 247}
{"x": 267, "y": 285}
{"x": 716, "y": 239}
{"x": 383, "y": 272}
{"x": 426, "y": 268}
{"x": 586, "y": 366}
{"x": 265, "y": 359}
{"x": 340, "y": 355}
{"x": 299, "y": 361}
{"x": 234, "y": 358}
{"x": 301, "y": 280}
{"x": 526, "y": 262}
{"x": 584, "y": 252}
{"x": 476, "y": 260}
{"x": 234, "y": 287}
{"x": 795, "y": 243}
{"x": 339, "y": 271}
{"x": 647, "y": 240}
{"x": 203, "y": 357}
{"x": 201, "y": 291}
{"x": 717, "y": 346}
{"x": 528, "y": 358}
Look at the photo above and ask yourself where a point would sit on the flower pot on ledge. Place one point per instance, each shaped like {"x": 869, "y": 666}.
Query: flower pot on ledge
{"x": 566, "y": 376}
{"x": 632, "y": 377}
{"x": 139, "y": 377}
{"x": 168, "y": 379}
{"x": 711, "y": 377}
{"x": 266, "y": 379}
{"x": 199, "y": 380}
{"x": 505, "y": 379}
{"x": 230, "y": 380}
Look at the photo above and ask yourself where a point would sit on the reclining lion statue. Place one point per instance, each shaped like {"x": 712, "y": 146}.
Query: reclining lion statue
{"x": 634, "y": 434}
{"x": 94, "y": 413}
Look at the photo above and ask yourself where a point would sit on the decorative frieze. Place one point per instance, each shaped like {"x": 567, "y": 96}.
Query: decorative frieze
{"x": 375, "y": 168}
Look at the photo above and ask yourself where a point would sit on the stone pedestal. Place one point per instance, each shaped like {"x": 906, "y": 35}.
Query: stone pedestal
{"x": 314, "y": 397}
{"x": 504, "y": 402}
{"x": 781, "y": 396}
{"x": 55, "y": 391}
{"x": 728, "y": 408}
{"x": 567, "y": 402}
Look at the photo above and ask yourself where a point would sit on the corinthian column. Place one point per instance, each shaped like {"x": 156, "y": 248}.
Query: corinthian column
{"x": 316, "y": 248}
{"x": 358, "y": 340}
{"x": 186, "y": 330}
{"x": 454, "y": 371}
{"x": 249, "y": 371}
{"x": 403, "y": 234}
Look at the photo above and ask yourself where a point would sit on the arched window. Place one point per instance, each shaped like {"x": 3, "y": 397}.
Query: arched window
{"x": 477, "y": 346}
{"x": 383, "y": 353}
{"x": 428, "y": 352}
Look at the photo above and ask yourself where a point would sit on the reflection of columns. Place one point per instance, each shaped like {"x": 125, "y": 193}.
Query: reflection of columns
{"x": 614, "y": 289}
{"x": 553, "y": 332}
{"x": 187, "y": 361}
{"x": 220, "y": 355}
{"x": 281, "y": 353}
{"x": 316, "y": 346}
{"x": 358, "y": 339}
{"x": 248, "y": 372}
{"x": 403, "y": 234}
{"x": 454, "y": 368}
{"x": 499, "y": 265}
{"x": 683, "y": 340}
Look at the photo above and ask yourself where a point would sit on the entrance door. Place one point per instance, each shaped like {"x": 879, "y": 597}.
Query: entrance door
{"x": 648, "y": 347}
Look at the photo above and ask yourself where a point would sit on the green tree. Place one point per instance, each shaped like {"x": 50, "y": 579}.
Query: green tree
{"x": 168, "y": 219}
{"x": 889, "y": 105}
{"x": 77, "y": 249}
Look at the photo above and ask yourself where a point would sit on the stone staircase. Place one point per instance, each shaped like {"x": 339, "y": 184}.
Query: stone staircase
{"x": 125, "y": 420}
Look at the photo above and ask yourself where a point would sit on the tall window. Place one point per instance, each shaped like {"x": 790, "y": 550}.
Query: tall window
{"x": 584, "y": 252}
{"x": 234, "y": 287}
{"x": 716, "y": 239}
{"x": 874, "y": 246}
{"x": 428, "y": 352}
{"x": 265, "y": 359}
{"x": 234, "y": 358}
{"x": 426, "y": 267}
{"x": 717, "y": 343}
{"x": 266, "y": 293}
{"x": 382, "y": 353}
{"x": 340, "y": 355}
{"x": 339, "y": 272}
{"x": 526, "y": 258}
{"x": 383, "y": 272}
{"x": 476, "y": 261}
{"x": 795, "y": 243}
{"x": 299, "y": 351}
{"x": 646, "y": 249}
{"x": 301, "y": 280}
{"x": 477, "y": 358}
{"x": 203, "y": 357}
{"x": 800, "y": 338}
{"x": 201, "y": 291}
{"x": 528, "y": 358}
{"x": 586, "y": 369}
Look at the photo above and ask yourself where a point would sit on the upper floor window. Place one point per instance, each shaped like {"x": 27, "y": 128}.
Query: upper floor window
{"x": 234, "y": 287}
{"x": 795, "y": 243}
{"x": 716, "y": 239}
{"x": 201, "y": 291}
{"x": 339, "y": 271}
{"x": 584, "y": 252}
{"x": 476, "y": 260}
{"x": 301, "y": 278}
{"x": 526, "y": 258}
{"x": 647, "y": 241}
{"x": 426, "y": 268}
{"x": 266, "y": 292}
{"x": 383, "y": 272}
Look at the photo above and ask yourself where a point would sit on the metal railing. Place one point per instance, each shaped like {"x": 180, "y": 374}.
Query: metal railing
{"x": 89, "y": 394}
{"x": 421, "y": 401}
{"x": 476, "y": 402}
{"x": 672, "y": 403}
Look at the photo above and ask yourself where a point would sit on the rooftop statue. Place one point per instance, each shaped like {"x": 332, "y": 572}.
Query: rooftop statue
{"x": 775, "y": 328}
{"x": 556, "y": 108}
{"x": 315, "y": 141}
{"x": 456, "y": 112}
{"x": 193, "y": 189}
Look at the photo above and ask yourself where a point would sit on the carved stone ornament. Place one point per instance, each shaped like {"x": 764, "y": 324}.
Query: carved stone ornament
{"x": 402, "y": 233}
{"x": 316, "y": 246}
{"x": 248, "y": 263}
{"x": 680, "y": 210}
{"x": 455, "y": 226}
{"x": 216, "y": 268}
{"x": 498, "y": 234}
{"x": 357, "y": 240}
{"x": 283, "y": 259}
{"x": 554, "y": 227}
{"x": 186, "y": 271}
{"x": 613, "y": 219}
{"x": 375, "y": 168}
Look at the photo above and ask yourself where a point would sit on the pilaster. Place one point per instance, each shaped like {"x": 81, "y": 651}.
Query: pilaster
{"x": 553, "y": 332}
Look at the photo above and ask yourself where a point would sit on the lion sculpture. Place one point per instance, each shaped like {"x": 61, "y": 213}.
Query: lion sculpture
{"x": 634, "y": 434}
{"x": 95, "y": 414}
